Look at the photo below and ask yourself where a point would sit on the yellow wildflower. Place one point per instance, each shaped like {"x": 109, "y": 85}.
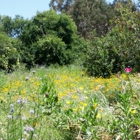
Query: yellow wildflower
{"x": 83, "y": 104}
{"x": 132, "y": 111}
{"x": 81, "y": 88}
{"x": 6, "y": 90}
{"x": 98, "y": 116}
{"x": 75, "y": 109}
{"x": 138, "y": 130}
{"x": 35, "y": 123}
{"x": 95, "y": 105}
{"x": 74, "y": 97}
{"x": 68, "y": 102}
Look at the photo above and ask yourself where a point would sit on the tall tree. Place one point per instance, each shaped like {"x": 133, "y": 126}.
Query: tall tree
{"x": 13, "y": 26}
{"x": 121, "y": 1}
{"x": 6, "y": 22}
{"x": 120, "y": 47}
{"x": 125, "y": 2}
{"x": 89, "y": 15}
{"x": 138, "y": 3}
{"x": 49, "y": 38}
{"x": 61, "y": 5}
{"x": 92, "y": 15}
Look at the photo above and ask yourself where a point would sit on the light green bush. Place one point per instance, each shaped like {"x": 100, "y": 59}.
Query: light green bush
{"x": 9, "y": 58}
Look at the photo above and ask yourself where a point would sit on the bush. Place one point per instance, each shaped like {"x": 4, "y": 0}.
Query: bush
{"x": 9, "y": 58}
{"x": 50, "y": 38}
{"x": 50, "y": 49}
{"x": 98, "y": 61}
{"x": 118, "y": 49}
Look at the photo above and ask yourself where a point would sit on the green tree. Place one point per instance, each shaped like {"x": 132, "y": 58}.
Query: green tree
{"x": 138, "y": 3}
{"x": 121, "y": 1}
{"x": 6, "y": 22}
{"x": 13, "y": 26}
{"x": 61, "y": 5}
{"x": 119, "y": 48}
{"x": 9, "y": 58}
{"x": 92, "y": 16}
{"x": 89, "y": 15}
{"x": 125, "y": 3}
{"x": 49, "y": 38}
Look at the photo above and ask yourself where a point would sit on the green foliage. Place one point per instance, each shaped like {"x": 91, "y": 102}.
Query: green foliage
{"x": 66, "y": 104}
{"x": 92, "y": 15}
{"x": 125, "y": 127}
{"x": 21, "y": 117}
{"x": 61, "y": 5}
{"x": 9, "y": 58}
{"x": 13, "y": 26}
{"x": 99, "y": 61}
{"x": 119, "y": 48}
{"x": 49, "y": 38}
{"x": 50, "y": 101}
{"x": 50, "y": 50}
{"x": 88, "y": 15}
{"x": 6, "y": 22}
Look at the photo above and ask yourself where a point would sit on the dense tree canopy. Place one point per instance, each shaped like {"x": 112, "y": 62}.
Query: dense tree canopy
{"x": 92, "y": 16}
{"x": 119, "y": 48}
{"x": 49, "y": 38}
{"x": 61, "y": 5}
{"x": 13, "y": 27}
{"x": 89, "y": 15}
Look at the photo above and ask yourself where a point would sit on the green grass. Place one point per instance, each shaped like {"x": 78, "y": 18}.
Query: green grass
{"x": 63, "y": 103}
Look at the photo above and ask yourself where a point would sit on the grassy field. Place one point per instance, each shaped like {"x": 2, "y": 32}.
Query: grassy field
{"x": 64, "y": 103}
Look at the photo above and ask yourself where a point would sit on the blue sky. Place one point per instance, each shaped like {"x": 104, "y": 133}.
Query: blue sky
{"x": 25, "y": 8}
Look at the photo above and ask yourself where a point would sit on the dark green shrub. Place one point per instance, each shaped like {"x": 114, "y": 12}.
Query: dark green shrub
{"x": 50, "y": 38}
{"x": 50, "y": 50}
{"x": 118, "y": 49}
{"x": 101, "y": 58}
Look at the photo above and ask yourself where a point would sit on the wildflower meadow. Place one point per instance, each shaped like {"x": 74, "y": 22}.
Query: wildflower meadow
{"x": 71, "y": 72}
{"x": 64, "y": 103}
